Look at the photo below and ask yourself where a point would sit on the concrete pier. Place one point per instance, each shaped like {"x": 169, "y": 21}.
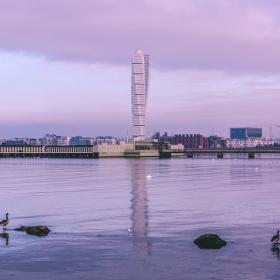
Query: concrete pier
{"x": 127, "y": 150}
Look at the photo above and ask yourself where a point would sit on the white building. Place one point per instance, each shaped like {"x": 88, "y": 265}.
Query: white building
{"x": 63, "y": 140}
{"x": 106, "y": 140}
{"x": 248, "y": 143}
{"x": 139, "y": 93}
{"x": 49, "y": 140}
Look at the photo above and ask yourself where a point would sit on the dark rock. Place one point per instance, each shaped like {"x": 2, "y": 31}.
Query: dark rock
{"x": 210, "y": 241}
{"x": 23, "y": 228}
{"x": 4, "y": 235}
{"x": 35, "y": 230}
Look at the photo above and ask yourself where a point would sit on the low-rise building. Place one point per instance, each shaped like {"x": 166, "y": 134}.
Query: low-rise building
{"x": 49, "y": 140}
{"x": 81, "y": 141}
{"x": 215, "y": 142}
{"x": 197, "y": 141}
{"x": 106, "y": 140}
{"x": 20, "y": 142}
{"x": 63, "y": 140}
{"x": 248, "y": 143}
{"x": 110, "y": 150}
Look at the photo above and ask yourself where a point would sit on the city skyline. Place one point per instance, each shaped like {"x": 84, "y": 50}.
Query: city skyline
{"x": 70, "y": 75}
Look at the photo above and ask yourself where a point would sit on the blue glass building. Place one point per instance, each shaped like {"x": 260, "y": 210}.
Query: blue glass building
{"x": 245, "y": 132}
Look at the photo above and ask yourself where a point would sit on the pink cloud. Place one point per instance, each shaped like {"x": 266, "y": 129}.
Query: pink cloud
{"x": 239, "y": 36}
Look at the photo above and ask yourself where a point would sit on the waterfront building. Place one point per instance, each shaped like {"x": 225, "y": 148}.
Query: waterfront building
{"x": 214, "y": 141}
{"x": 112, "y": 150}
{"x": 63, "y": 140}
{"x": 276, "y": 142}
{"x": 16, "y": 141}
{"x": 188, "y": 140}
{"x": 49, "y": 140}
{"x": 245, "y": 132}
{"x": 192, "y": 141}
{"x": 20, "y": 141}
{"x": 249, "y": 143}
{"x": 81, "y": 141}
{"x": 110, "y": 140}
{"x": 139, "y": 93}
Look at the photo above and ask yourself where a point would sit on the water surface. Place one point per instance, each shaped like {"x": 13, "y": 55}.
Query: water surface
{"x": 92, "y": 205}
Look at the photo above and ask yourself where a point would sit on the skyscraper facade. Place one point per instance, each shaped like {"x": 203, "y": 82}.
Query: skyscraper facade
{"x": 139, "y": 93}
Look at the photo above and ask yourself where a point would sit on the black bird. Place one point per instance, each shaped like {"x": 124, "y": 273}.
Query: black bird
{"x": 276, "y": 238}
{"x": 5, "y": 222}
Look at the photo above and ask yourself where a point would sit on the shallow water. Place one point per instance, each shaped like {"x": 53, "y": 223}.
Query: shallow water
{"x": 91, "y": 204}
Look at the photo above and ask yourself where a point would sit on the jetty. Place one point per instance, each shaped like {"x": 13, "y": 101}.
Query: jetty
{"x": 127, "y": 150}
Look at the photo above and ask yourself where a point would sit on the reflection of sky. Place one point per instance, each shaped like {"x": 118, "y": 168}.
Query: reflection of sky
{"x": 39, "y": 96}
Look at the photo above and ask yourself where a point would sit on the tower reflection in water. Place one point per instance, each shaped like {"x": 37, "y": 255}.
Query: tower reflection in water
{"x": 139, "y": 207}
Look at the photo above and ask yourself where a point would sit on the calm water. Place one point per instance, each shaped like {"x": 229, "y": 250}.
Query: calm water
{"x": 91, "y": 204}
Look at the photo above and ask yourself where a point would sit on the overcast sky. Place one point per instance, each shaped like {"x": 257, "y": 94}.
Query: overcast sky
{"x": 65, "y": 65}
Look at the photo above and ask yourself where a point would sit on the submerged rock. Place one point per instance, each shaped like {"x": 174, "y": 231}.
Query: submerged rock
{"x": 35, "y": 230}
{"x": 210, "y": 241}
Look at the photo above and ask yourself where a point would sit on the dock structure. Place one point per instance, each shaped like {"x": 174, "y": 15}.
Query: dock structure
{"x": 220, "y": 152}
{"x": 48, "y": 151}
{"x": 127, "y": 150}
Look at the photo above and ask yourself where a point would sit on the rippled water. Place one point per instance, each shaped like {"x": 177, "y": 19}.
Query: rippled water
{"x": 91, "y": 204}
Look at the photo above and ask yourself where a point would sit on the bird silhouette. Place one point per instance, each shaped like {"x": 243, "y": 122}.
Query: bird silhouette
{"x": 276, "y": 238}
{"x": 5, "y": 222}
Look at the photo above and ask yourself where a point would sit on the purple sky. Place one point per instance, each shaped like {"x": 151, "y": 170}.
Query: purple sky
{"x": 65, "y": 65}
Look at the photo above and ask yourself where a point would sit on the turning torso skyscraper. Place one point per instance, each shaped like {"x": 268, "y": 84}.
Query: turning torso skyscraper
{"x": 139, "y": 93}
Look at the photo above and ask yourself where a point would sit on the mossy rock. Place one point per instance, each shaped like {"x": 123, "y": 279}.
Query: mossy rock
{"x": 35, "y": 230}
{"x": 210, "y": 241}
